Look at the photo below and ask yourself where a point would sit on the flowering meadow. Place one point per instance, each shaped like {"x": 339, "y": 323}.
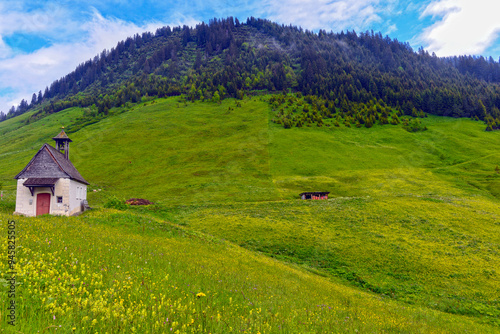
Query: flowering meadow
{"x": 433, "y": 251}
{"x": 109, "y": 271}
{"x": 408, "y": 241}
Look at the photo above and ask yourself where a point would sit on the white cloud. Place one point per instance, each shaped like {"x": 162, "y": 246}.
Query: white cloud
{"x": 38, "y": 21}
{"x": 5, "y": 50}
{"x": 320, "y": 14}
{"x": 466, "y": 27}
{"x": 49, "y": 21}
{"x": 392, "y": 28}
{"x": 25, "y": 74}
{"x": 105, "y": 33}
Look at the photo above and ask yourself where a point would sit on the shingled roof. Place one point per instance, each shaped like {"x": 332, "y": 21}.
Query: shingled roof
{"x": 50, "y": 163}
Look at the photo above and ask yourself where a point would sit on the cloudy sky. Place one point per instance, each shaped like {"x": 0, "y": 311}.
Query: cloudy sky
{"x": 41, "y": 41}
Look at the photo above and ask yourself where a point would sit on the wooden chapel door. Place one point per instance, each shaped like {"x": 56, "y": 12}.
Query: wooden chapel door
{"x": 42, "y": 204}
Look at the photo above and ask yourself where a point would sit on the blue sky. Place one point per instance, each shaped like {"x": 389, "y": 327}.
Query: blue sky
{"x": 41, "y": 41}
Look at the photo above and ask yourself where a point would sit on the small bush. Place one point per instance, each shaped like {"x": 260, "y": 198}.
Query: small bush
{"x": 413, "y": 125}
{"x": 114, "y": 203}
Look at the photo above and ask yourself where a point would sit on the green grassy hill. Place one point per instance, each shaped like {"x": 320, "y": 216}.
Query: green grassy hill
{"x": 174, "y": 152}
{"x": 163, "y": 151}
{"x": 408, "y": 242}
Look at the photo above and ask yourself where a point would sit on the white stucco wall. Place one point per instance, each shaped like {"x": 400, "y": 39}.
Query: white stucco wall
{"x": 77, "y": 193}
{"x": 61, "y": 189}
{"x": 72, "y": 193}
{"x": 23, "y": 197}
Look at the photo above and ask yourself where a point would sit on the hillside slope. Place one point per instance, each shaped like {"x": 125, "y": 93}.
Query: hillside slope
{"x": 164, "y": 150}
{"x": 173, "y": 151}
{"x": 411, "y": 216}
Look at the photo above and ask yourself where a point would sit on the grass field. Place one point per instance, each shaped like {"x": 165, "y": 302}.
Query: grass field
{"x": 111, "y": 271}
{"x": 176, "y": 153}
{"x": 162, "y": 151}
{"x": 439, "y": 253}
{"x": 408, "y": 242}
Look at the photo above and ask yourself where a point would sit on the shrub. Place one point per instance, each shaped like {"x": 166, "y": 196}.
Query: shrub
{"x": 114, "y": 203}
{"x": 413, "y": 125}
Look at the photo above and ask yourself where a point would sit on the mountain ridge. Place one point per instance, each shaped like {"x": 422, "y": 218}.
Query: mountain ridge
{"x": 232, "y": 59}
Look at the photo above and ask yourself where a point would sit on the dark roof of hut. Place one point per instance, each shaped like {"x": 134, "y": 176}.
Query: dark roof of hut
{"x": 315, "y": 193}
{"x": 50, "y": 163}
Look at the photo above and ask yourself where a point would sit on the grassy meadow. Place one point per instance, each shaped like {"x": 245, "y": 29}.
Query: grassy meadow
{"x": 118, "y": 272}
{"x": 408, "y": 242}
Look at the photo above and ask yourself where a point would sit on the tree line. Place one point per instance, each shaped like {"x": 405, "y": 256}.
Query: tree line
{"x": 228, "y": 58}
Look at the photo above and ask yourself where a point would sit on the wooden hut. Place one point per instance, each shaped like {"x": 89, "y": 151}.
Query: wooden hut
{"x": 315, "y": 195}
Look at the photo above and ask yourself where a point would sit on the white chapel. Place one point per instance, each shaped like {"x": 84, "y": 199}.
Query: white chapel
{"x": 50, "y": 184}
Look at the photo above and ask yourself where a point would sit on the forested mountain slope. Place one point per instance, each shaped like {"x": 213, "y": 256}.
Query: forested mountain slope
{"x": 228, "y": 58}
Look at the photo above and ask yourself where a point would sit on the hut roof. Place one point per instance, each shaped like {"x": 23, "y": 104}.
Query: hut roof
{"x": 315, "y": 193}
{"x": 50, "y": 163}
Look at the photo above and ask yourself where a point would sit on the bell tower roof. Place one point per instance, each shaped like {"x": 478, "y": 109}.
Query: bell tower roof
{"x": 62, "y": 142}
{"x": 62, "y": 136}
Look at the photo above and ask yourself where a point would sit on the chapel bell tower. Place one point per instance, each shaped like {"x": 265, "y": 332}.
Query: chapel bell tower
{"x": 62, "y": 143}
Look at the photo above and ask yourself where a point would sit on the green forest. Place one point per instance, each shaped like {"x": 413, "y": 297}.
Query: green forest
{"x": 365, "y": 77}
